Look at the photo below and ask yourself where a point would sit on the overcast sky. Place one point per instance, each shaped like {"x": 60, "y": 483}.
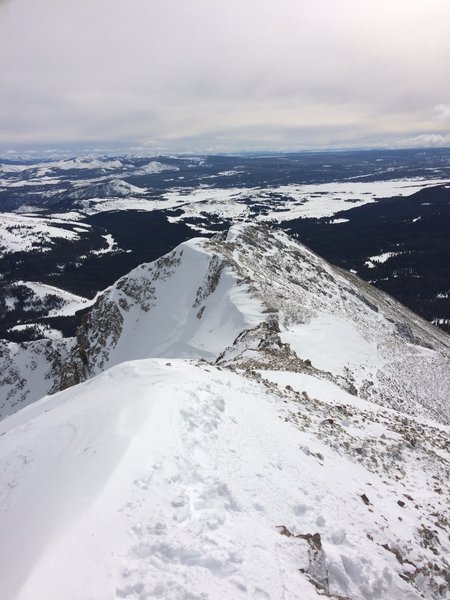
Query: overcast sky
{"x": 224, "y": 75}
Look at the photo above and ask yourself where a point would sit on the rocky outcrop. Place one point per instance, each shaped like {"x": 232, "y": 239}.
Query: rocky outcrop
{"x": 29, "y": 371}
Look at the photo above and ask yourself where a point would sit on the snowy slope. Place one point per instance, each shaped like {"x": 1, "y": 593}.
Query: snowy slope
{"x": 23, "y": 233}
{"x": 154, "y": 167}
{"x": 248, "y": 422}
{"x": 70, "y": 303}
{"x": 182, "y": 481}
{"x": 209, "y": 299}
{"x": 188, "y": 304}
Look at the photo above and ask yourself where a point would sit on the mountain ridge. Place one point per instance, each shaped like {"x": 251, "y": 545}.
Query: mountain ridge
{"x": 240, "y": 419}
{"x": 199, "y": 301}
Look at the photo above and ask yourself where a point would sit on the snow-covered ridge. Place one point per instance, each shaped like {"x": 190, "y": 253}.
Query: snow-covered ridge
{"x": 188, "y": 304}
{"x": 256, "y": 298}
{"x": 70, "y": 302}
{"x": 114, "y": 188}
{"x": 154, "y": 167}
{"x": 208, "y": 299}
{"x": 339, "y": 325}
{"x": 242, "y": 420}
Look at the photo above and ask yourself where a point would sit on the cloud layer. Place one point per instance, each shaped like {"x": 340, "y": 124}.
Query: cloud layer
{"x": 211, "y": 75}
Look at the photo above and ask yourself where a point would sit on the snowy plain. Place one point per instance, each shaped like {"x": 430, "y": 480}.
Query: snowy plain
{"x": 271, "y": 204}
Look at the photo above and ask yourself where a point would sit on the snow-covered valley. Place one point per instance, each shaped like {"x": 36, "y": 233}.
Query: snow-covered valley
{"x": 238, "y": 419}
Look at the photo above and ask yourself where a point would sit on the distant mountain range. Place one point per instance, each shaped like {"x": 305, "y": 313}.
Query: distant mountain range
{"x": 74, "y": 226}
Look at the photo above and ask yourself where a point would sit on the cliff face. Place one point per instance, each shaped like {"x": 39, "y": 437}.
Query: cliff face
{"x": 29, "y": 371}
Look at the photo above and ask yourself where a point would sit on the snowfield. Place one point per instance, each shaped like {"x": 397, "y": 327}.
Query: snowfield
{"x": 22, "y": 233}
{"x": 71, "y": 302}
{"x": 273, "y": 204}
{"x": 181, "y": 481}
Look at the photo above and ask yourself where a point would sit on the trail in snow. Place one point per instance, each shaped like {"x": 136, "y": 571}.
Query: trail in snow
{"x": 176, "y": 481}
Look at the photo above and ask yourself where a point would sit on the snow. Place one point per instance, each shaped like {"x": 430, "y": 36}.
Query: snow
{"x": 111, "y": 245}
{"x": 121, "y": 187}
{"x": 20, "y": 233}
{"x": 332, "y": 344}
{"x": 43, "y": 330}
{"x": 154, "y": 167}
{"x": 337, "y": 221}
{"x": 167, "y": 476}
{"x": 30, "y": 370}
{"x": 272, "y": 204}
{"x": 15, "y": 168}
{"x": 79, "y": 163}
{"x": 380, "y": 258}
{"x": 172, "y": 481}
{"x": 70, "y": 216}
{"x": 74, "y": 163}
{"x": 10, "y": 302}
{"x": 186, "y": 319}
{"x": 314, "y": 387}
{"x": 103, "y": 188}
{"x": 97, "y": 205}
{"x": 197, "y": 300}
{"x": 140, "y": 491}
{"x": 440, "y": 321}
{"x": 30, "y": 182}
{"x": 291, "y": 201}
{"x": 72, "y": 302}
{"x": 33, "y": 211}
{"x": 229, "y": 173}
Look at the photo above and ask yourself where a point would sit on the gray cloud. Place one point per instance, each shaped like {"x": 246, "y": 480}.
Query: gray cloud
{"x": 204, "y": 74}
